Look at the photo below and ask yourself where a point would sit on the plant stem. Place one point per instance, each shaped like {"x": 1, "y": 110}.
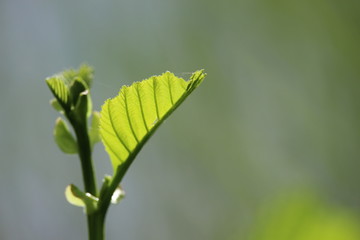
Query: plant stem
{"x": 96, "y": 226}
{"x": 105, "y": 200}
{"x": 95, "y": 221}
{"x": 84, "y": 149}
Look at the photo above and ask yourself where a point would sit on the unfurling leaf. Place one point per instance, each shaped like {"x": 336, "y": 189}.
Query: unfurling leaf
{"x": 86, "y": 73}
{"x": 83, "y": 106}
{"x": 60, "y": 91}
{"x": 78, "y": 198}
{"x": 76, "y": 88}
{"x": 128, "y": 120}
{"x": 69, "y": 85}
{"x": 64, "y": 138}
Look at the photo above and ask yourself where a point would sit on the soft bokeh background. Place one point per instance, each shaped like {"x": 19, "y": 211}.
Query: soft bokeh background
{"x": 268, "y": 148}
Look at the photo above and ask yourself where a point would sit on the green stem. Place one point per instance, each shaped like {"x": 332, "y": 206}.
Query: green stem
{"x": 95, "y": 220}
{"x": 96, "y": 225}
{"x": 84, "y": 149}
{"x": 105, "y": 199}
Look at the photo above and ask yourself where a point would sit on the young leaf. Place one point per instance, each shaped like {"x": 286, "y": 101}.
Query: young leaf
{"x": 128, "y": 120}
{"x": 60, "y": 91}
{"x": 77, "y": 198}
{"x": 85, "y": 72}
{"x": 94, "y": 133}
{"x": 64, "y": 138}
{"x": 83, "y": 108}
{"x": 68, "y": 85}
{"x": 56, "y": 105}
{"x": 74, "y": 196}
{"x": 76, "y": 88}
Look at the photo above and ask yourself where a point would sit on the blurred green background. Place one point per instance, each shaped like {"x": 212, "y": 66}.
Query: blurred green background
{"x": 266, "y": 149}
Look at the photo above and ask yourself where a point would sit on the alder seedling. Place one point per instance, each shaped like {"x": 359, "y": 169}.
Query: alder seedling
{"x": 124, "y": 125}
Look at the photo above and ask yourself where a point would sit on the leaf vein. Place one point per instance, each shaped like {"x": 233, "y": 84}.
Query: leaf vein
{"x": 156, "y": 104}
{"x": 169, "y": 86}
{"x": 111, "y": 149}
{"x": 141, "y": 107}
{"x": 113, "y": 126}
{"x": 128, "y": 117}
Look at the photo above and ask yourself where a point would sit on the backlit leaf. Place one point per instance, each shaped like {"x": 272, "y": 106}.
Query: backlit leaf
{"x": 128, "y": 120}
{"x": 78, "y": 198}
{"x": 68, "y": 85}
{"x": 64, "y": 138}
{"x": 60, "y": 91}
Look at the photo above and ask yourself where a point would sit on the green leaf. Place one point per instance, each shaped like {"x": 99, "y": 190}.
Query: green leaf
{"x": 64, "y": 138}
{"x": 56, "y": 105}
{"x": 83, "y": 106}
{"x": 69, "y": 84}
{"x": 74, "y": 196}
{"x": 78, "y": 198}
{"x": 77, "y": 87}
{"x": 94, "y": 133}
{"x": 86, "y": 73}
{"x": 60, "y": 91}
{"x": 128, "y": 120}
{"x": 89, "y": 106}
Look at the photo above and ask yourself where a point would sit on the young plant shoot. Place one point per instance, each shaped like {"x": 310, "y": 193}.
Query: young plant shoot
{"x": 124, "y": 125}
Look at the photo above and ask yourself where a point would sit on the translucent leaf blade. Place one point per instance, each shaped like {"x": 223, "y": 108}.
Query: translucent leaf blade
{"x": 60, "y": 90}
{"x": 80, "y": 199}
{"x": 74, "y": 196}
{"x": 130, "y": 118}
{"x": 87, "y": 74}
{"x": 64, "y": 138}
{"x": 69, "y": 84}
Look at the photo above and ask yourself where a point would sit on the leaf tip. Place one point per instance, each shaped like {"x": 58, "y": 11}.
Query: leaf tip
{"x": 196, "y": 79}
